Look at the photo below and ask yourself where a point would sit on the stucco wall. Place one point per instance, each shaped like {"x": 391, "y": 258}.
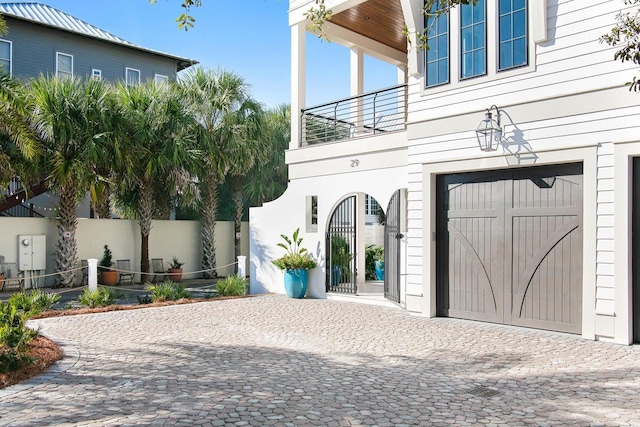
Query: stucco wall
{"x": 167, "y": 238}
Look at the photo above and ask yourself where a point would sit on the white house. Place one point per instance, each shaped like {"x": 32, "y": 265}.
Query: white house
{"x": 536, "y": 232}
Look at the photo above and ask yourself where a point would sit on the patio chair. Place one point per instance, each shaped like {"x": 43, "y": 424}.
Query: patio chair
{"x": 124, "y": 267}
{"x": 157, "y": 266}
{"x": 13, "y": 278}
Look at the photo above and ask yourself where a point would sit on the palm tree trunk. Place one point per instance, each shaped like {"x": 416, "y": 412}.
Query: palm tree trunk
{"x": 237, "y": 184}
{"x": 145, "y": 215}
{"x": 102, "y": 207}
{"x": 208, "y": 223}
{"x": 66, "y": 249}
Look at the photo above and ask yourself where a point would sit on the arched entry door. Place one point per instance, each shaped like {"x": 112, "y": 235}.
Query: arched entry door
{"x": 392, "y": 240}
{"x": 341, "y": 248}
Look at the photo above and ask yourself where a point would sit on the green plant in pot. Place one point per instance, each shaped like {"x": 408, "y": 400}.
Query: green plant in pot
{"x": 295, "y": 264}
{"x": 108, "y": 277}
{"x": 175, "y": 269}
{"x": 378, "y": 258}
{"x": 340, "y": 259}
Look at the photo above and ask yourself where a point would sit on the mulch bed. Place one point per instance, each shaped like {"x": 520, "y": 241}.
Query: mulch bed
{"x": 116, "y": 307}
{"x": 46, "y": 352}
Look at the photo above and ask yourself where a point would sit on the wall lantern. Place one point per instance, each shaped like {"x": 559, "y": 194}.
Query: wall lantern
{"x": 489, "y": 132}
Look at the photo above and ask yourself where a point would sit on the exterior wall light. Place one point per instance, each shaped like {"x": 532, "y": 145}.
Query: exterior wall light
{"x": 489, "y": 132}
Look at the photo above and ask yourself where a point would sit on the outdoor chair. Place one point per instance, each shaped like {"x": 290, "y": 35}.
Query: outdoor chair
{"x": 13, "y": 278}
{"x": 157, "y": 266}
{"x": 124, "y": 268}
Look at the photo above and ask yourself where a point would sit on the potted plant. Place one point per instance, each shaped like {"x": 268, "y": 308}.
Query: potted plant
{"x": 175, "y": 269}
{"x": 108, "y": 277}
{"x": 378, "y": 257}
{"x": 295, "y": 263}
{"x": 340, "y": 259}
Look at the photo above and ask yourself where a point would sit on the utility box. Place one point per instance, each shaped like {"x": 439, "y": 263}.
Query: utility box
{"x": 32, "y": 252}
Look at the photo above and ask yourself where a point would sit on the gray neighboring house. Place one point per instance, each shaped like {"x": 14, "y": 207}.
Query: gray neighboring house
{"x": 45, "y": 40}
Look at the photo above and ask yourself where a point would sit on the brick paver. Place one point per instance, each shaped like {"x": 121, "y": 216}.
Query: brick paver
{"x": 276, "y": 361}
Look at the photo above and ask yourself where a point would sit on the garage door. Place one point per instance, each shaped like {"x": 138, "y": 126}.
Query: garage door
{"x": 510, "y": 247}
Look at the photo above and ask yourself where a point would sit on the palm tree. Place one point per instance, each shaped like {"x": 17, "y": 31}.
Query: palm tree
{"x": 17, "y": 140}
{"x": 211, "y": 97}
{"x": 243, "y": 135}
{"x": 268, "y": 179}
{"x": 157, "y": 152}
{"x": 72, "y": 119}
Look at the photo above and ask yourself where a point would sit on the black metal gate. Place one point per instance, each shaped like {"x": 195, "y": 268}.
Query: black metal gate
{"x": 392, "y": 239}
{"x": 341, "y": 248}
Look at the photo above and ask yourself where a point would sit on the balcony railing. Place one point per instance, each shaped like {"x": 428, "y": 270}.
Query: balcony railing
{"x": 363, "y": 115}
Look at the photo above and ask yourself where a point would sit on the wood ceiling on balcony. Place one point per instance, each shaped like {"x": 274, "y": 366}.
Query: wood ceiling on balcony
{"x": 380, "y": 20}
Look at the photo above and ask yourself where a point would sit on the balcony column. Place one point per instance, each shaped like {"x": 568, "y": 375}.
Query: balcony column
{"x": 357, "y": 88}
{"x": 298, "y": 80}
{"x": 403, "y": 78}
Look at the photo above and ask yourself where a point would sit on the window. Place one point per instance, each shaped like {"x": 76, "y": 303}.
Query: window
{"x": 438, "y": 53}
{"x": 64, "y": 65}
{"x": 312, "y": 214}
{"x": 5, "y": 56}
{"x": 132, "y": 76}
{"x": 371, "y": 206}
{"x": 96, "y": 74}
{"x": 473, "y": 40}
{"x": 513, "y": 33}
{"x": 159, "y": 78}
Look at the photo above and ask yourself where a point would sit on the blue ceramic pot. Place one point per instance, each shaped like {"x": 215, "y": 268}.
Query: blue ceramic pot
{"x": 295, "y": 283}
{"x": 379, "y": 270}
{"x": 336, "y": 272}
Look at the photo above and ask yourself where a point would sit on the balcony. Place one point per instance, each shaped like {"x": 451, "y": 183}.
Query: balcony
{"x": 372, "y": 113}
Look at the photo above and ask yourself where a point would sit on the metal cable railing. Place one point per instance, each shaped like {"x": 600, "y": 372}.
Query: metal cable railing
{"x": 363, "y": 115}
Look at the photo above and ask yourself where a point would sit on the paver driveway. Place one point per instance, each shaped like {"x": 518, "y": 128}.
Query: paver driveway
{"x": 276, "y": 361}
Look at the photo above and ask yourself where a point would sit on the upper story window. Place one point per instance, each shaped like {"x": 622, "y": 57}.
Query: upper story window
{"x": 513, "y": 33}
{"x": 473, "y": 36}
{"x": 5, "y": 56}
{"x": 438, "y": 53}
{"x": 159, "y": 78}
{"x": 132, "y": 76}
{"x": 64, "y": 65}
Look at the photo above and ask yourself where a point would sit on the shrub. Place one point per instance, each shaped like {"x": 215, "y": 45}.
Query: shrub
{"x": 35, "y": 302}
{"x": 14, "y": 337}
{"x": 168, "y": 291}
{"x": 232, "y": 286}
{"x": 101, "y": 297}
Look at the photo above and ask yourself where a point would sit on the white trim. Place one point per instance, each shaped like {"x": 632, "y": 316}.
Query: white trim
{"x": 58, "y": 55}
{"x": 586, "y": 155}
{"x": 126, "y": 75}
{"x": 623, "y": 153}
{"x": 10, "y": 55}
{"x": 96, "y": 73}
{"x": 160, "y": 78}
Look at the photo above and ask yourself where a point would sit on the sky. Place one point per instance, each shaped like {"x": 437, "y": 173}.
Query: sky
{"x": 248, "y": 37}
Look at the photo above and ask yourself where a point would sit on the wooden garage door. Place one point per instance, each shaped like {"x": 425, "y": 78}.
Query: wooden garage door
{"x": 510, "y": 247}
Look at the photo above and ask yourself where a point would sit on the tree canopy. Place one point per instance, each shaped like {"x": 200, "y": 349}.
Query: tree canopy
{"x": 626, "y": 33}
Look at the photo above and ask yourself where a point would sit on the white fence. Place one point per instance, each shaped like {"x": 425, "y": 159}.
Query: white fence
{"x": 167, "y": 239}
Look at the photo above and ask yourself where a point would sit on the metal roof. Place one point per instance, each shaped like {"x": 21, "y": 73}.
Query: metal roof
{"x": 51, "y": 17}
